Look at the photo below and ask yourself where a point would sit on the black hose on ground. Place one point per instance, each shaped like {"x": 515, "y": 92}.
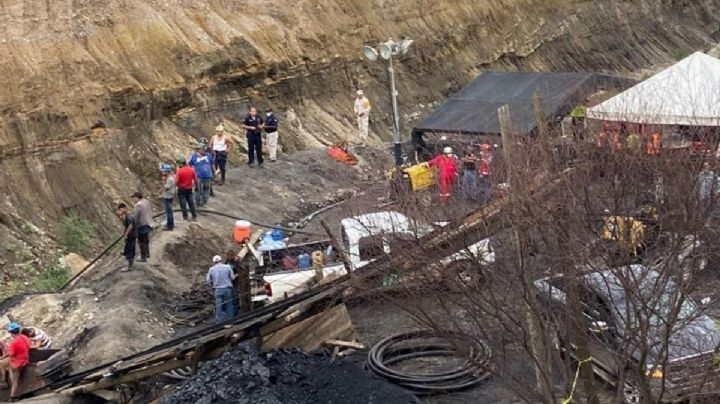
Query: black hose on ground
{"x": 210, "y": 212}
{"x": 422, "y": 344}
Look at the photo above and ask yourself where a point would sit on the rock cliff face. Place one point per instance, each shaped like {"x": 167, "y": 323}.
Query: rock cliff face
{"x": 95, "y": 94}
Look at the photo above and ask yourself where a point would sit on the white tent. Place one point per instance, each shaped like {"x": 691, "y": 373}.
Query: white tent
{"x": 687, "y": 93}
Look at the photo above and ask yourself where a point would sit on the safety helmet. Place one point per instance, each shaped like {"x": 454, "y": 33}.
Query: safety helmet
{"x": 485, "y": 146}
{"x": 13, "y": 327}
{"x": 180, "y": 160}
{"x": 360, "y": 92}
{"x": 165, "y": 168}
{"x": 202, "y": 145}
{"x": 447, "y": 150}
{"x": 220, "y": 128}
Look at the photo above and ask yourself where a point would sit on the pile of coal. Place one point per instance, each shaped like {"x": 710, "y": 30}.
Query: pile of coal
{"x": 245, "y": 375}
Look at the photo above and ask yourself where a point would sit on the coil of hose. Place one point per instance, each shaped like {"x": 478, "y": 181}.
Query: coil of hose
{"x": 425, "y": 343}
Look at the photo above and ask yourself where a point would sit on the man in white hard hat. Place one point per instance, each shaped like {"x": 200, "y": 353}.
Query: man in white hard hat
{"x": 362, "y": 112}
{"x": 221, "y": 145}
{"x": 447, "y": 172}
{"x": 220, "y": 277}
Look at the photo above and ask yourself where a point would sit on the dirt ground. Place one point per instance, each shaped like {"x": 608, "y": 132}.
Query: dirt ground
{"x": 109, "y": 314}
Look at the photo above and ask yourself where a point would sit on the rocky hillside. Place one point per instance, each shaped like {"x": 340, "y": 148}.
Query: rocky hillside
{"x": 95, "y": 94}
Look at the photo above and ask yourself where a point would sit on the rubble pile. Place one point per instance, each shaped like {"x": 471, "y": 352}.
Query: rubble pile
{"x": 245, "y": 375}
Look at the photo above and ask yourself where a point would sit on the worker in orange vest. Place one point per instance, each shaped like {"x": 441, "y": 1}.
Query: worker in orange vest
{"x": 654, "y": 144}
{"x": 447, "y": 172}
{"x": 601, "y": 140}
{"x": 616, "y": 142}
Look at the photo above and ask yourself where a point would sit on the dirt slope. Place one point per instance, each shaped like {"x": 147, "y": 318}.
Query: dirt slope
{"x": 109, "y": 314}
{"x": 149, "y": 75}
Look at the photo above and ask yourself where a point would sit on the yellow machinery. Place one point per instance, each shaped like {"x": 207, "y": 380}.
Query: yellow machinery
{"x": 629, "y": 232}
{"x": 418, "y": 176}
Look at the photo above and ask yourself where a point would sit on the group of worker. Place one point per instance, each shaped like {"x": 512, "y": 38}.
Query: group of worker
{"x": 15, "y": 355}
{"x": 620, "y": 138}
{"x": 474, "y": 180}
{"x": 230, "y": 281}
{"x": 192, "y": 181}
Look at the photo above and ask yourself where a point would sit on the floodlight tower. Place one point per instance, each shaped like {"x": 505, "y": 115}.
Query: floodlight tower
{"x": 386, "y": 51}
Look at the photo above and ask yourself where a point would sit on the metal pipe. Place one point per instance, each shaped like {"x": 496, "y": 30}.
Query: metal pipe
{"x": 396, "y": 117}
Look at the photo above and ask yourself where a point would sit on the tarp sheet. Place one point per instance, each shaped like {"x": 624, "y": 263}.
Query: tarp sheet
{"x": 474, "y": 108}
{"x": 687, "y": 93}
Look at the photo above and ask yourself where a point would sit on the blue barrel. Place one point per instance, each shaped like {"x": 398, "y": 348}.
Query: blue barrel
{"x": 304, "y": 261}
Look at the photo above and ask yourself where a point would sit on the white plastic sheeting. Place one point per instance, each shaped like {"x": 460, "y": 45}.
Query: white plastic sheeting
{"x": 687, "y": 93}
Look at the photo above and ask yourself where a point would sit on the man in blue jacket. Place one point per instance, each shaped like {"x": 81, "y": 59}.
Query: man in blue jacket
{"x": 202, "y": 162}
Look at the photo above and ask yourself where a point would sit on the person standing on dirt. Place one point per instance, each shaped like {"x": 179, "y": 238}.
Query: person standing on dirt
{"x": 220, "y": 277}
{"x": 129, "y": 235}
{"x": 447, "y": 172}
{"x": 254, "y": 125}
{"x": 14, "y": 360}
{"x": 484, "y": 180}
{"x": 202, "y": 162}
{"x": 221, "y": 146}
{"x": 469, "y": 179}
{"x": 143, "y": 215}
{"x": 167, "y": 195}
{"x": 185, "y": 182}
{"x": 362, "y": 113}
{"x": 271, "y": 134}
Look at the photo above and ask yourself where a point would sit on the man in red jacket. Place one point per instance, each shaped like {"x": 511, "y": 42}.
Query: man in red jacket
{"x": 15, "y": 359}
{"x": 447, "y": 172}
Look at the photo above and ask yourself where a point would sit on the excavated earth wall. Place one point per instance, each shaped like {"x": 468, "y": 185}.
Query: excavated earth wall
{"x": 95, "y": 94}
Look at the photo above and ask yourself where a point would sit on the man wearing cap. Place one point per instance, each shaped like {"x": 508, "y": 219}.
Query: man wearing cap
{"x": 221, "y": 146}
{"x": 220, "y": 277}
{"x": 15, "y": 359}
{"x": 271, "y": 134}
{"x": 185, "y": 182}
{"x": 167, "y": 195}
{"x": 129, "y": 235}
{"x": 362, "y": 112}
{"x": 254, "y": 124}
{"x": 202, "y": 162}
{"x": 143, "y": 215}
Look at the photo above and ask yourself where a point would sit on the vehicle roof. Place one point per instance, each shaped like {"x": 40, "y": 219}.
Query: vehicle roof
{"x": 693, "y": 332}
{"x": 383, "y": 222}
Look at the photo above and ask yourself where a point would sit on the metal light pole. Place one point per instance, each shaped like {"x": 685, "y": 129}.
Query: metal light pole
{"x": 387, "y": 51}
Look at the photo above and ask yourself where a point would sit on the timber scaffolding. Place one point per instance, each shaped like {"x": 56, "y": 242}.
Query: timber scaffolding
{"x": 212, "y": 341}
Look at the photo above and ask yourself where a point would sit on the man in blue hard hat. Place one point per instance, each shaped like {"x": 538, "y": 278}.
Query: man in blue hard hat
{"x": 15, "y": 359}
{"x": 167, "y": 195}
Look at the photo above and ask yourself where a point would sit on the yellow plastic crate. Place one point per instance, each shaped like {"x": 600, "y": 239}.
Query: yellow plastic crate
{"x": 421, "y": 177}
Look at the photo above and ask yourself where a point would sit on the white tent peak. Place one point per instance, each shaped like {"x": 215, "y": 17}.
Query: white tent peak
{"x": 687, "y": 93}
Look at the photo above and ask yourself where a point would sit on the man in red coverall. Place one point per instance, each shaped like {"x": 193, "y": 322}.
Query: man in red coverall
{"x": 447, "y": 172}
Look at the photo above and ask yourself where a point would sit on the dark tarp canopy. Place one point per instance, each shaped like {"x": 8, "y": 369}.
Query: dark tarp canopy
{"x": 473, "y": 110}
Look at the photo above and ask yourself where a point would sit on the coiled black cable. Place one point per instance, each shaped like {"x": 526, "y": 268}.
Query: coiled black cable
{"x": 417, "y": 344}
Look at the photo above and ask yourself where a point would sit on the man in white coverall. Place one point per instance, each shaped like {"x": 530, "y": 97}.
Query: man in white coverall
{"x": 362, "y": 111}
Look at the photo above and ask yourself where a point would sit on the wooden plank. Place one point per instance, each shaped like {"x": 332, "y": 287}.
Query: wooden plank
{"x": 253, "y": 239}
{"x": 311, "y": 333}
{"x": 345, "y": 344}
{"x": 338, "y": 247}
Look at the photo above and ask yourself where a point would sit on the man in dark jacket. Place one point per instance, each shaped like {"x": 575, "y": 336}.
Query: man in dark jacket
{"x": 129, "y": 234}
{"x": 254, "y": 125}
